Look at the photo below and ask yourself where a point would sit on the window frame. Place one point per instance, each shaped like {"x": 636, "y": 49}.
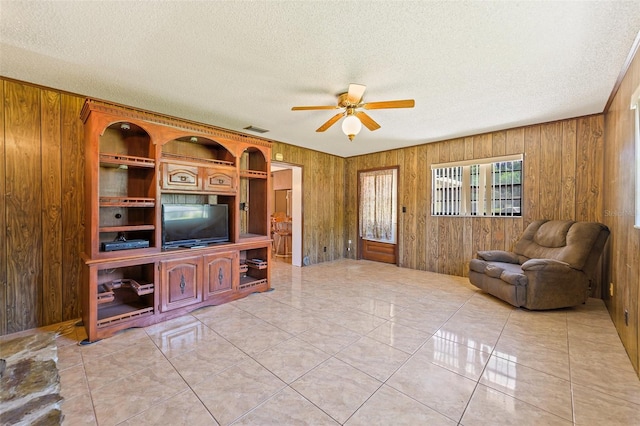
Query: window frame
{"x": 461, "y": 202}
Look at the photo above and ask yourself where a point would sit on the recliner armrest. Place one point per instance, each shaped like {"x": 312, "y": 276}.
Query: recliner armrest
{"x": 498, "y": 256}
{"x": 538, "y": 264}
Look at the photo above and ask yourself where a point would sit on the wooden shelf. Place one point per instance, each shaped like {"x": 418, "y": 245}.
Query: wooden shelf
{"x": 115, "y": 313}
{"x": 170, "y": 156}
{"x": 253, "y": 174}
{"x": 127, "y": 228}
{"x": 127, "y": 283}
{"x": 105, "y": 295}
{"x": 249, "y": 282}
{"x": 126, "y": 160}
{"x": 127, "y": 202}
{"x": 249, "y": 236}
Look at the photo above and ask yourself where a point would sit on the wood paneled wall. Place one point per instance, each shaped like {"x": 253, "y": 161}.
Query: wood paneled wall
{"x": 619, "y": 207}
{"x": 323, "y": 209}
{"x": 563, "y": 176}
{"x": 41, "y": 177}
{"x": 566, "y": 166}
{"x": 4, "y": 303}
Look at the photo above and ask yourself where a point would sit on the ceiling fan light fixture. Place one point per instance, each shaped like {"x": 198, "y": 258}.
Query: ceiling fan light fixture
{"x": 351, "y": 126}
{"x": 350, "y": 102}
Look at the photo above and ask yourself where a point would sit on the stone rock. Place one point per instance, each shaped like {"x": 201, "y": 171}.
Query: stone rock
{"x": 29, "y": 381}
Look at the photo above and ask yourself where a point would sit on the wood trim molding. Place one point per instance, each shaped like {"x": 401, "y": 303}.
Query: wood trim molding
{"x": 122, "y": 110}
{"x": 625, "y": 67}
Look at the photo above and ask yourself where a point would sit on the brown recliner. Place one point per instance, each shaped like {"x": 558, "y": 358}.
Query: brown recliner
{"x": 552, "y": 265}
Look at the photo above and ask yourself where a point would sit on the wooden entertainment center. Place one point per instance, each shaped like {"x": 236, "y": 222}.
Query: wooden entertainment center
{"x": 137, "y": 161}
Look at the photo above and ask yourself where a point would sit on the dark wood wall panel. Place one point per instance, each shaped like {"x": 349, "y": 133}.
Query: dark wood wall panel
{"x": 513, "y": 226}
{"x": 72, "y": 149}
{"x": 531, "y": 174}
{"x": 350, "y": 210}
{"x": 422, "y": 206}
{"x": 3, "y": 226}
{"x": 41, "y": 208}
{"x": 52, "y": 247}
{"x": 550, "y": 170}
{"x": 431, "y": 223}
{"x": 467, "y": 250}
{"x": 589, "y": 168}
{"x": 568, "y": 181}
{"x": 409, "y": 220}
{"x": 623, "y": 263}
{"x": 23, "y": 206}
{"x": 499, "y": 148}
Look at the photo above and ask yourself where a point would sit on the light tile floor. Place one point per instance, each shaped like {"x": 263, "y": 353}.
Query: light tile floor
{"x": 356, "y": 343}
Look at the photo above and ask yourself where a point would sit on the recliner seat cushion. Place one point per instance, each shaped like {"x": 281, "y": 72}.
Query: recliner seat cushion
{"x": 511, "y": 273}
{"x": 514, "y": 278}
{"x": 493, "y": 270}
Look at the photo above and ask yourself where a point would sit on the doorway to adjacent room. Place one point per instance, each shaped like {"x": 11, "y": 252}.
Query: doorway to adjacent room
{"x": 287, "y": 201}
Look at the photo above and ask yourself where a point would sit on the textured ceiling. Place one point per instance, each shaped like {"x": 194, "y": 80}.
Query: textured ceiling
{"x": 471, "y": 67}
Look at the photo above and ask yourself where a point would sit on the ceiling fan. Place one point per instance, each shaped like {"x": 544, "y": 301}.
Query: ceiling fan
{"x": 350, "y": 102}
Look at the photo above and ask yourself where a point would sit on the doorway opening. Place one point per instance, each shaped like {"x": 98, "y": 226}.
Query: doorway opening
{"x": 286, "y": 198}
{"x": 378, "y": 214}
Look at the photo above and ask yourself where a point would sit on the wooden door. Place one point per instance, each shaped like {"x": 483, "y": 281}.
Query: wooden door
{"x": 219, "y": 275}
{"x": 378, "y": 214}
{"x": 181, "y": 282}
{"x": 378, "y": 251}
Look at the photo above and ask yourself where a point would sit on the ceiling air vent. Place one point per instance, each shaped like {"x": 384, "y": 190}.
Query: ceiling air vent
{"x": 255, "y": 129}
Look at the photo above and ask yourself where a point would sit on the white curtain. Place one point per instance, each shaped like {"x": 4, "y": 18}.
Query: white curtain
{"x": 378, "y": 192}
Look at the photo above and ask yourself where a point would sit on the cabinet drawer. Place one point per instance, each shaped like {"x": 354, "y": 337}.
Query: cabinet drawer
{"x": 177, "y": 176}
{"x": 219, "y": 181}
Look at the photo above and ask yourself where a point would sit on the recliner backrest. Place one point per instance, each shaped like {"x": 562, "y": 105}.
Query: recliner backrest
{"x": 577, "y": 243}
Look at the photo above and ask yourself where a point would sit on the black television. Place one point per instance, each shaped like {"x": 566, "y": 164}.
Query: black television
{"x": 189, "y": 225}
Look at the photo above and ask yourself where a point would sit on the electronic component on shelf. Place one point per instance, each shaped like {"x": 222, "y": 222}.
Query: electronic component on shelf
{"x": 124, "y": 245}
{"x": 257, "y": 263}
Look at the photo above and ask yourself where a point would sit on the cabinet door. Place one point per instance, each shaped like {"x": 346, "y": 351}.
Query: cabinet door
{"x": 220, "y": 273}
{"x": 179, "y": 177}
{"x": 181, "y": 282}
{"x": 219, "y": 180}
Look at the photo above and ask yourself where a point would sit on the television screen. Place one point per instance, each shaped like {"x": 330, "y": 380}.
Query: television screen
{"x": 194, "y": 224}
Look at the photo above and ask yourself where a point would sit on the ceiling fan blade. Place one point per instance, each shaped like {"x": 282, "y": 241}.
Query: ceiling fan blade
{"x": 367, "y": 121}
{"x": 330, "y": 122}
{"x": 304, "y": 108}
{"x": 406, "y": 103}
{"x": 354, "y": 95}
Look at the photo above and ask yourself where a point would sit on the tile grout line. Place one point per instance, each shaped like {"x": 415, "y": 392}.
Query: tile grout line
{"x": 571, "y": 389}
{"x": 484, "y": 368}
